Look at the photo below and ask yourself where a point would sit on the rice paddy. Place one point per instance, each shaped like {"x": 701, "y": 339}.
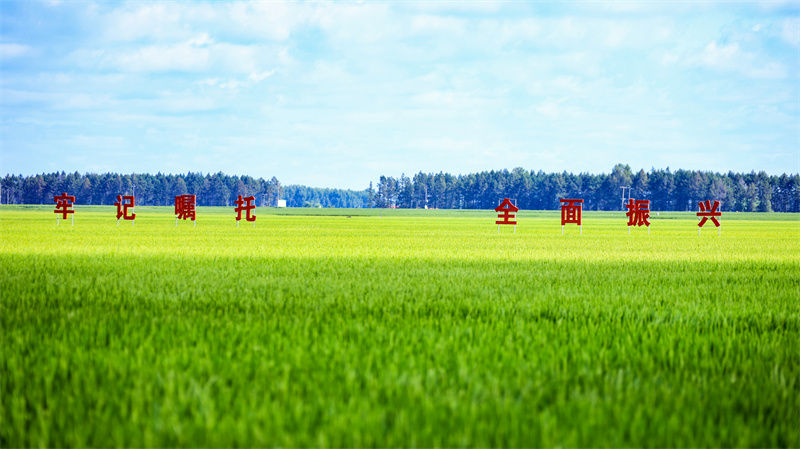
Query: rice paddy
{"x": 389, "y": 328}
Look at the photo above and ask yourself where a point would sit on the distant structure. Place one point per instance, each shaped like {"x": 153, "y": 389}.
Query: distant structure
{"x": 281, "y": 203}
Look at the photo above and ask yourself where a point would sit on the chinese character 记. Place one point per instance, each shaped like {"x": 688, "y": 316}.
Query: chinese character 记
{"x": 243, "y": 204}
{"x": 184, "y": 208}
{"x": 638, "y": 213}
{"x": 707, "y": 210}
{"x": 64, "y": 204}
{"x": 571, "y": 212}
{"x": 505, "y": 210}
{"x": 124, "y": 202}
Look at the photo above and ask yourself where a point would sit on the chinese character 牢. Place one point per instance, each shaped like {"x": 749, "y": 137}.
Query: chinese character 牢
{"x": 64, "y": 204}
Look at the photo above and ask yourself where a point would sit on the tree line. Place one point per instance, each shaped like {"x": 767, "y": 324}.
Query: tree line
{"x": 160, "y": 190}
{"x": 151, "y": 190}
{"x": 535, "y": 190}
{"x": 532, "y": 190}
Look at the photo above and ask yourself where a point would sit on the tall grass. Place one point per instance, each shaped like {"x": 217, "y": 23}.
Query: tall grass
{"x": 397, "y": 328}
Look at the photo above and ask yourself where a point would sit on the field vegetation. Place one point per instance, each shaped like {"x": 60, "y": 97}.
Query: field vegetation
{"x": 364, "y": 327}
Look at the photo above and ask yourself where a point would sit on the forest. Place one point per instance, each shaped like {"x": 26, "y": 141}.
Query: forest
{"x": 531, "y": 190}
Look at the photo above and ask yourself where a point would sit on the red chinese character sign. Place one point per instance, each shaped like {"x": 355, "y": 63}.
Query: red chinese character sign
{"x": 638, "y": 213}
{"x": 244, "y": 204}
{"x": 505, "y": 214}
{"x": 185, "y": 208}
{"x": 709, "y": 211}
{"x": 64, "y": 205}
{"x": 571, "y": 213}
{"x": 125, "y": 202}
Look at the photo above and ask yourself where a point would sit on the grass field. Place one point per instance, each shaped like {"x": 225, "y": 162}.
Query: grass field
{"x": 413, "y": 328}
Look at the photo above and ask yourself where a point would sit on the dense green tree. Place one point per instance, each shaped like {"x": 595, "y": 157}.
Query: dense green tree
{"x": 530, "y": 189}
{"x": 764, "y": 192}
{"x": 640, "y": 188}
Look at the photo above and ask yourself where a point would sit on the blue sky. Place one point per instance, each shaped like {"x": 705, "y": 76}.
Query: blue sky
{"x": 337, "y": 94}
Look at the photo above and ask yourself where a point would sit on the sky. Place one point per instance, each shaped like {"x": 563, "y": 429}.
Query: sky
{"x": 338, "y": 94}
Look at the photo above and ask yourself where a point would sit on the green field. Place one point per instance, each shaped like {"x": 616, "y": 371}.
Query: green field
{"x": 342, "y": 328}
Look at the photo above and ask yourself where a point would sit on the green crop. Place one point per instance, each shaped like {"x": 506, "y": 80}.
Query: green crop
{"x": 338, "y": 328}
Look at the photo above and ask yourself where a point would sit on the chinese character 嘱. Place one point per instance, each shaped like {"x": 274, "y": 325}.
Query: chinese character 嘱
{"x": 638, "y": 212}
{"x": 243, "y": 204}
{"x": 123, "y": 203}
{"x": 708, "y": 211}
{"x": 185, "y": 207}
{"x": 64, "y": 204}
{"x": 506, "y": 209}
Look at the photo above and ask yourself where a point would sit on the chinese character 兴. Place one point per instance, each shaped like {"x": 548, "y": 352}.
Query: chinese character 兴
{"x": 709, "y": 211}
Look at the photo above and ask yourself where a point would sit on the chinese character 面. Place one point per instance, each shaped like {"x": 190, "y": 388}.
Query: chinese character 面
{"x": 638, "y": 212}
{"x": 124, "y": 202}
{"x": 243, "y": 204}
{"x": 571, "y": 212}
{"x": 185, "y": 207}
{"x": 64, "y": 204}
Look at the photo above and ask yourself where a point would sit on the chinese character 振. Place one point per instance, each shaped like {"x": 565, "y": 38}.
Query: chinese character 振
{"x": 638, "y": 213}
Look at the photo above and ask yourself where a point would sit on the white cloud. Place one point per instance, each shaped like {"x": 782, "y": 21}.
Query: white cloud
{"x": 199, "y": 54}
{"x": 310, "y": 78}
{"x": 790, "y": 31}
{"x": 615, "y": 35}
{"x": 670, "y": 58}
{"x": 463, "y": 101}
{"x": 202, "y": 40}
{"x": 514, "y": 31}
{"x": 258, "y": 77}
{"x": 148, "y": 21}
{"x": 8, "y": 51}
{"x": 274, "y": 20}
{"x": 455, "y": 7}
{"x": 163, "y": 58}
{"x": 233, "y": 83}
{"x": 450, "y": 26}
{"x": 567, "y": 29}
{"x": 209, "y": 82}
{"x": 730, "y": 57}
{"x": 96, "y": 141}
{"x": 230, "y": 84}
{"x": 719, "y": 56}
{"x": 361, "y": 24}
